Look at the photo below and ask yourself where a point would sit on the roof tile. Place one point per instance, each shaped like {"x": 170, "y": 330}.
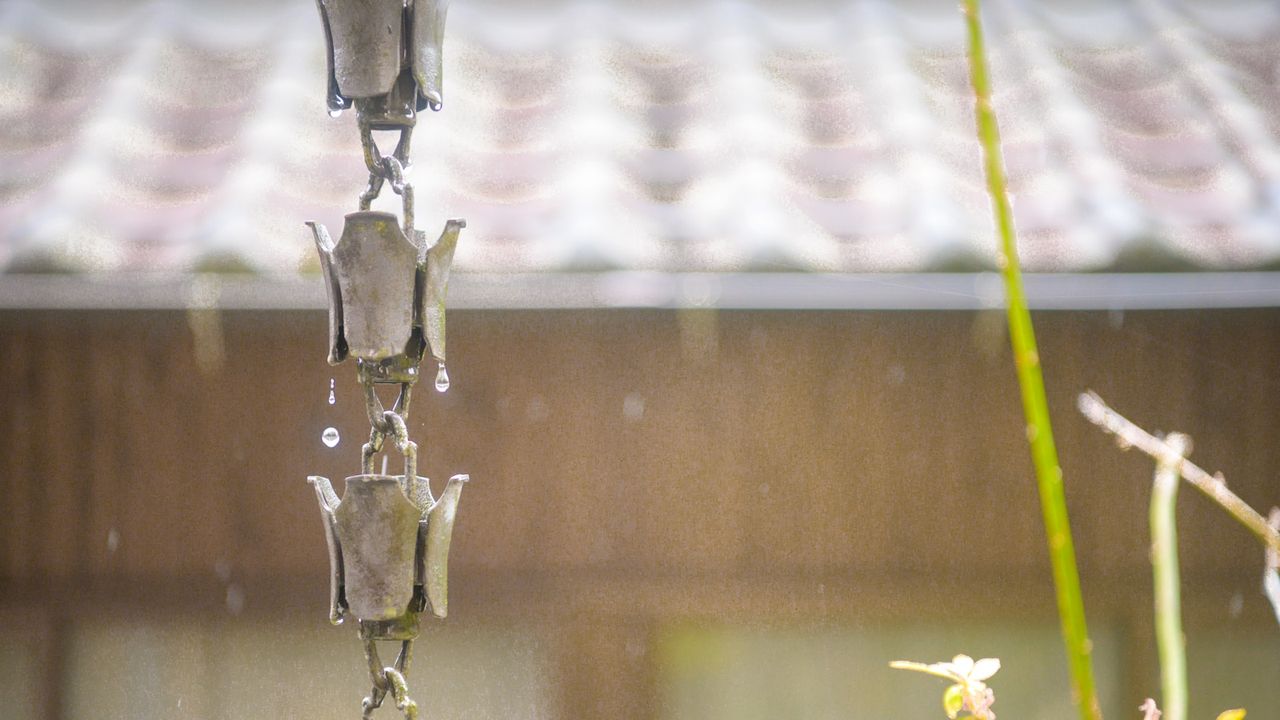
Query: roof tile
{"x": 718, "y": 135}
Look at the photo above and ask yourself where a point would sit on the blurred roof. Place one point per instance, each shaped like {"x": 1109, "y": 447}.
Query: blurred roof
{"x": 727, "y": 137}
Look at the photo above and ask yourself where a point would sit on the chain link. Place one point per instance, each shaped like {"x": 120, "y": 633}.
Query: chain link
{"x": 388, "y": 167}
{"x": 389, "y": 679}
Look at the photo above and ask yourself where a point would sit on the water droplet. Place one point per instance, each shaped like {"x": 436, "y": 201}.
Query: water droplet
{"x": 442, "y": 379}
{"x": 330, "y": 437}
{"x": 537, "y": 409}
{"x": 897, "y": 374}
{"x": 633, "y": 406}
{"x": 635, "y": 647}
{"x": 332, "y": 398}
{"x": 113, "y": 540}
{"x": 235, "y": 599}
{"x": 335, "y": 112}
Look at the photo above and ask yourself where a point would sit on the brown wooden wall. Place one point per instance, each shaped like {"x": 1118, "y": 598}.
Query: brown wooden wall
{"x": 879, "y": 455}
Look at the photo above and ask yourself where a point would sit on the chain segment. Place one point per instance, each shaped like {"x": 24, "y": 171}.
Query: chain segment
{"x": 388, "y": 679}
{"x": 388, "y": 537}
{"x": 393, "y": 423}
{"x": 383, "y": 168}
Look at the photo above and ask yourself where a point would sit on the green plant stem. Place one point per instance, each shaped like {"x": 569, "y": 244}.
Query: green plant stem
{"x": 1044, "y": 455}
{"x": 1170, "y": 642}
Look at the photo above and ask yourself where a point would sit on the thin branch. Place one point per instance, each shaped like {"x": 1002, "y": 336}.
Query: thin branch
{"x": 1170, "y": 642}
{"x": 1130, "y": 435}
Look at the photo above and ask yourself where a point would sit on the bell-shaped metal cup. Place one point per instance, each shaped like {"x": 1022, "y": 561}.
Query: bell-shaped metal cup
{"x": 373, "y": 539}
{"x": 386, "y": 292}
{"x": 388, "y": 546}
{"x": 367, "y": 40}
{"x": 370, "y": 275}
{"x": 364, "y": 39}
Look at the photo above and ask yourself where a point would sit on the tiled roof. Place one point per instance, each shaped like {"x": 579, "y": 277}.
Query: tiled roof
{"x": 180, "y": 136}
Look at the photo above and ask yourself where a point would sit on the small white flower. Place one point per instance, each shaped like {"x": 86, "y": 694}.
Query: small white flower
{"x": 970, "y": 691}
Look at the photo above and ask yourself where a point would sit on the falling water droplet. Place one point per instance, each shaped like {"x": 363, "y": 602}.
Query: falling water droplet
{"x": 633, "y": 407}
{"x": 330, "y": 437}
{"x": 332, "y": 398}
{"x": 442, "y": 379}
{"x": 113, "y": 540}
{"x": 235, "y": 599}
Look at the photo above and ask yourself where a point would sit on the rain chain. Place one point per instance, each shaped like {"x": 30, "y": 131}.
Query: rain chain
{"x": 388, "y": 537}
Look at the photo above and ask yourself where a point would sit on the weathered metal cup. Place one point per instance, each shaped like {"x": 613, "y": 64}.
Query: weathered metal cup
{"x": 371, "y": 43}
{"x": 371, "y": 274}
{"x": 388, "y": 548}
{"x": 386, "y": 290}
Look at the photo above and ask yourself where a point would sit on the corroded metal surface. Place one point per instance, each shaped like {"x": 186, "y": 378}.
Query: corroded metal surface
{"x": 430, "y": 297}
{"x": 384, "y": 55}
{"x": 328, "y": 504}
{"x": 428, "y": 41}
{"x": 364, "y": 39}
{"x": 377, "y": 528}
{"x": 388, "y": 542}
{"x": 373, "y": 269}
{"x": 386, "y": 294}
{"x": 439, "y": 533}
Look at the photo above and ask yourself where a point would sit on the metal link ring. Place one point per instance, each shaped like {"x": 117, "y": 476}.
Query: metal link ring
{"x": 393, "y": 425}
{"x": 389, "y": 679}
{"x": 400, "y": 692}
{"x": 387, "y": 167}
{"x": 393, "y": 171}
{"x": 373, "y": 157}
{"x": 373, "y": 405}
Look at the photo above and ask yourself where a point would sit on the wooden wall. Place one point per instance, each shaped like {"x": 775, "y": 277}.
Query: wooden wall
{"x": 628, "y": 467}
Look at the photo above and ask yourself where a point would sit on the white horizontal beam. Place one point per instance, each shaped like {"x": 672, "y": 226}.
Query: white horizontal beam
{"x": 729, "y": 291}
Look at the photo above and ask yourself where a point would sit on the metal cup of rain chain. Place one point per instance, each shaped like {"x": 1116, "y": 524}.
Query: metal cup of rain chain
{"x": 388, "y": 551}
{"x": 385, "y": 50}
{"x": 385, "y": 292}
